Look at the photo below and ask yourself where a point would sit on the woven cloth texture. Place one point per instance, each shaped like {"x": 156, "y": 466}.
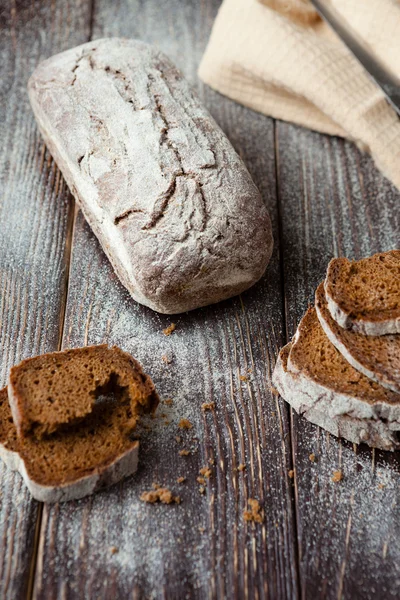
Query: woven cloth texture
{"x": 279, "y": 58}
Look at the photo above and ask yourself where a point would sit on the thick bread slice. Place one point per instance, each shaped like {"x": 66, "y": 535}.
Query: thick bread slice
{"x": 313, "y": 401}
{"x": 364, "y": 295}
{"x": 346, "y": 391}
{"x": 171, "y": 202}
{"x": 59, "y": 388}
{"x": 74, "y": 463}
{"x": 378, "y": 357}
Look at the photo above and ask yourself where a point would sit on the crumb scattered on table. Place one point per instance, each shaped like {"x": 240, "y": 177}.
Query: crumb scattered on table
{"x": 337, "y": 476}
{"x": 169, "y": 329}
{"x": 274, "y": 391}
{"x": 168, "y": 401}
{"x": 160, "y": 494}
{"x": 208, "y": 406}
{"x": 206, "y": 472}
{"x": 185, "y": 424}
{"x": 243, "y": 378}
{"x": 113, "y": 550}
{"x": 241, "y": 467}
{"x": 184, "y": 452}
{"x": 181, "y": 479}
{"x": 254, "y": 514}
{"x": 291, "y": 473}
{"x": 202, "y": 489}
{"x": 202, "y": 529}
{"x": 166, "y": 358}
{"x": 381, "y": 486}
{"x": 201, "y": 480}
{"x": 178, "y": 439}
{"x": 312, "y": 457}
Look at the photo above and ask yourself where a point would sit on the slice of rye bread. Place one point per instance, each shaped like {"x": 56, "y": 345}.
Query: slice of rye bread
{"x": 308, "y": 399}
{"x": 378, "y": 357}
{"x": 346, "y": 390}
{"x": 364, "y": 295}
{"x": 54, "y": 389}
{"x": 69, "y": 464}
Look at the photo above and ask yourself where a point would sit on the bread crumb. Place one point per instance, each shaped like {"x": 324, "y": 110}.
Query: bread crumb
{"x": 312, "y": 457}
{"x": 241, "y": 467}
{"x": 254, "y": 514}
{"x": 113, "y": 550}
{"x": 208, "y": 406}
{"x": 381, "y": 486}
{"x": 202, "y": 529}
{"x": 166, "y": 359}
{"x": 181, "y": 479}
{"x": 169, "y": 329}
{"x": 211, "y": 461}
{"x": 243, "y": 378}
{"x": 206, "y": 472}
{"x": 201, "y": 480}
{"x": 178, "y": 439}
{"x": 337, "y": 476}
{"x": 168, "y": 401}
{"x": 274, "y": 391}
{"x": 202, "y": 489}
{"x": 159, "y": 494}
{"x": 291, "y": 473}
{"x": 185, "y": 424}
{"x": 184, "y": 452}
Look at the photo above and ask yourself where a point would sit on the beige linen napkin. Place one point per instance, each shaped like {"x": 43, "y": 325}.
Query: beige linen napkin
{"x": 279, "y": 58}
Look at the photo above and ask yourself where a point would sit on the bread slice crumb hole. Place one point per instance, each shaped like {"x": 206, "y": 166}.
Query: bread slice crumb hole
{"x": 110, "y": 392}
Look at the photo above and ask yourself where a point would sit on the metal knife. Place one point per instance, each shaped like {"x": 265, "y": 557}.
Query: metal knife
{"x": 387, "y": 81}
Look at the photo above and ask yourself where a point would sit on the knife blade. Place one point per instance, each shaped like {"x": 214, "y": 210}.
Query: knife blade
{"x": 387, "y": 81}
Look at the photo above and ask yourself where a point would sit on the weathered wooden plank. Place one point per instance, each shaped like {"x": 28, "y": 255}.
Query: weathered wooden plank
{"x": 222, "y": 354}
{"x": 35, "y": 220}
{"x": 334, "y": 202}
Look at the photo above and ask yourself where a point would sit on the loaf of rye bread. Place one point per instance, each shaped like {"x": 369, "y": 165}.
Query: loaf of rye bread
{"x": 378, "y": 357}
{"x": 170, "y": 201}
{"x": 364, "y": 295}
{"x": 71, "y": 447}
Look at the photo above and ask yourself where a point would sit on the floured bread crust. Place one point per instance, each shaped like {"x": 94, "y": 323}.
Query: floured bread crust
{"x": 171, "y": 202}
{"x": 324, "y": 407}
{"x": 26, "y": 456}
{"x": 364, "y": 295}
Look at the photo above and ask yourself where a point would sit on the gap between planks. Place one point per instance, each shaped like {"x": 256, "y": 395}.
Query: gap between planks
{"x": 72, "y": 214}
{"x": 293, "y": 487}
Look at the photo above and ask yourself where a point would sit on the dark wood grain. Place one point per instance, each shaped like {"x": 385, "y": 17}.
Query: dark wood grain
{"x": 163, "y": 550}
{"x": 334, "y": 202}
{"x": 36, "y": 218}
{"x": 330, "y": 201}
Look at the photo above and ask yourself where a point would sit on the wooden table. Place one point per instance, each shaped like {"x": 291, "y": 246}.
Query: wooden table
{"x": 319, "y": 539}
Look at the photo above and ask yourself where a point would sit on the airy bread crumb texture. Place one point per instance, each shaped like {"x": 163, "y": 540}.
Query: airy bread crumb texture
{"x": 367, "y": 288}
{"x": 61, "y": 388}
{"x": 313, "y": 354}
